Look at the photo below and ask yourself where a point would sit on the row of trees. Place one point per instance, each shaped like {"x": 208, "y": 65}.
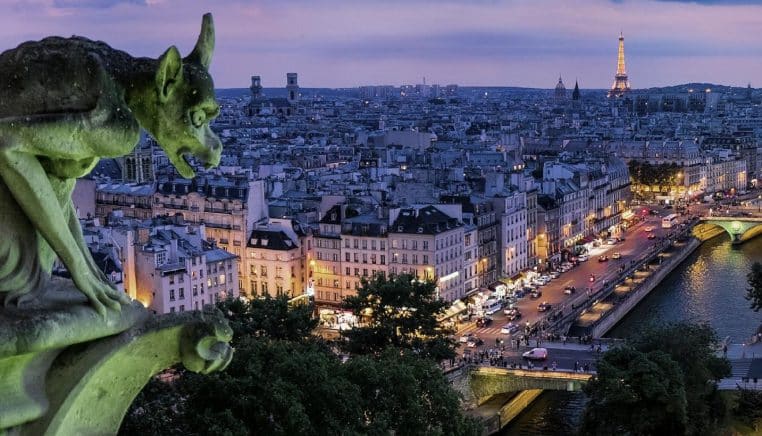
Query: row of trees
{"x": 646, "y": 174}
{"x": 285, "y": 381}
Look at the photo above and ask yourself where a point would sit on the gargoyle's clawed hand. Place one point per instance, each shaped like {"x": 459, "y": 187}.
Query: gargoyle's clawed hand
{"x": 102, "y": 295}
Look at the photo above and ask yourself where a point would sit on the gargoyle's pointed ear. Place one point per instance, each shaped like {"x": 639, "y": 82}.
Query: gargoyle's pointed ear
{"x": 169, "y": 73}
{"x": 202, "y": 52}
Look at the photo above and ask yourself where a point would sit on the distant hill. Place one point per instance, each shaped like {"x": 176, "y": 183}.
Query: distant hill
{"x": 696, "y": 87}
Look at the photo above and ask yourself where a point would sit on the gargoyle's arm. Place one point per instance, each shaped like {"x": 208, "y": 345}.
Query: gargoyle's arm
{"x": 26, "y": 179}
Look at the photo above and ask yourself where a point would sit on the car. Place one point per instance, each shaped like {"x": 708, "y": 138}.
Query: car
{"x": 621, "y": 239}
{"x": 651, "y": 236}
{"x": 603, "y": 258}
{"x": 536, "y": 294}
{"x": 465, "y": 338}
{"x": 463, "y": 317}
{"x": 563, "y": 268}
{"x": 509, "y": 328}
{"x": 570, "y": 290}
{"x": 484, "y": 321}
{"x": 543, "y": 307}
{"x": 515, "y": 316}
{"x": 554, "y": 274}
{"x": 583, "y": 257}
{"x": 474, "y": 342}
{"x": 536, "y": 354}
{"x": 611, "y": 241}
{"x": 649, "y": 229}
{"x": 546, "y": 278}
{"x": 616, "y": 255}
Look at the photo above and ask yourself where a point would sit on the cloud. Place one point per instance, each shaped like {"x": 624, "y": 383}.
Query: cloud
{"x": 499, "y": 42}
{"x": 95, "y": 4}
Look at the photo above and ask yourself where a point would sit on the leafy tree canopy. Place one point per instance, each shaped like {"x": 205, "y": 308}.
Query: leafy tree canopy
{"x": 691, "y": 349}
{"x": 400, "y": 312}
{"x": 636, "y": 393}
{"x": 268, "y": 317}
{"x": 754, "y": 291}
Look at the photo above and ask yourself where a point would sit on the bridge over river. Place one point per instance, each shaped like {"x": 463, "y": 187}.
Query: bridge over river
{"x": 498, "y": 393}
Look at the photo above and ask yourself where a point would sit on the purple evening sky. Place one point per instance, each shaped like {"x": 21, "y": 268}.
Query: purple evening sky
{"x": 337, "y": 43}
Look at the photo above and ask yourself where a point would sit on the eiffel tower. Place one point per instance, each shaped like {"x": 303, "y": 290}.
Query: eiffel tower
{"x": 621, "y": 84}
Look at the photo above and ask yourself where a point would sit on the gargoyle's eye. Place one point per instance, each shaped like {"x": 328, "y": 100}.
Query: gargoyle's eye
{"x": 197, "y": 118}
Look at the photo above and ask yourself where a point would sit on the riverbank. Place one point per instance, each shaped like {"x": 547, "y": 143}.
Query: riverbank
{"x": 707, "y": 287}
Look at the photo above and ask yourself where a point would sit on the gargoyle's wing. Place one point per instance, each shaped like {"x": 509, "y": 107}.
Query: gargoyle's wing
{"x": 48, "y": 80}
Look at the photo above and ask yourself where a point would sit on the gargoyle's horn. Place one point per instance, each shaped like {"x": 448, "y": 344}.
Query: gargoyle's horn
{"x": 202, "y": 52}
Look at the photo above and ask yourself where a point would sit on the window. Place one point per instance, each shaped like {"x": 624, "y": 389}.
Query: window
{"x": 172, "y": 279}
{"x": 349, "y": 271}
{"x": 264, "y": 288}
{"x": 415, "y": 245}
{"x": 263, "y": 271}
{"x": 195, "y": 289}
{"x": 357, "y": 271}
{"x": 383, "y": 259}
{"x": 202, "y": 289}
{"x": 181, "y": 293}
{"x": 394, "y": 243}
{"x": 365, "y": 272}
{"x": 347, "y": 257}
{"x": 182, "y": 308}
{"x": 279, "y": 289}
{"x": 425, "y": 259}
{"x": 364, "y": 258}
{"x": 425, "y": 245}
{"x": 356, "y": 243}
{"x": 171, "y": 310}
{"x": 373, "y": 244}
{"x": 222, "y": 279}
{"x": 357, "y": 258}
{"x": 383, "y": 245}
{"x": 415, "y": 259}
{"x": 171, "y": 295}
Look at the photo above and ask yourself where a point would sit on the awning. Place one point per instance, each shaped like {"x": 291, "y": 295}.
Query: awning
{"x": 456, "y": 308}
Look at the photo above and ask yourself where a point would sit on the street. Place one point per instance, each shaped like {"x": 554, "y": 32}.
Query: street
{"x": 636, "y": 242}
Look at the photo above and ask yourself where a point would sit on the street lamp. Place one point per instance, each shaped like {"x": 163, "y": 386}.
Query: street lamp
{"x": 759, "y": 203}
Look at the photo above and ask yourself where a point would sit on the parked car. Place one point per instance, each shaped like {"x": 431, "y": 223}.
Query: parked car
{"x": 583, "y": 257}
{"x": 616, "y": 255}
{"x": 509, "y": 328}
{"x": 544, "y": 306}
{"x": 554, "y": 274}
{"x": 465, "y": 338}
{"x": 570, "y": 290}
{"x": 474, "y": 342}
{"x": 536, "y": 294}
{"x": 651, "y": 236}
{"x": 611, "y": 241}
{"x": 603, "y": 258}
{"x": 484, "y": 321}
{"x": 536, "y": 354}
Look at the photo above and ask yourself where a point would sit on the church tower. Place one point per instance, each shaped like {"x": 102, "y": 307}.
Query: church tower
{"x": 560, "y": 91}
{"x": 256, "y": 88}
{"x": 292, "y": 88}
{"x": 621, "y": 83}
{"x": 575, "y": 93}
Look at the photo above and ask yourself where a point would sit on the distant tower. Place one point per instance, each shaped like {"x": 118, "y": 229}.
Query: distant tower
{"x": 621, "y": 84}
{"x": 292, "y": 88}
{"x": 560, "y": 92}
{"x": 575, "y": 93}
{"x": 256, "y": 88}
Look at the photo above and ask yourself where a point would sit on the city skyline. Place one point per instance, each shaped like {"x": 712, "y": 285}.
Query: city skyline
{"x": 485, "y": 43}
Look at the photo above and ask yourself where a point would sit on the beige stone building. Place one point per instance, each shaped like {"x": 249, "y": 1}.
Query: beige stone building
{"x": 276, "y": 255}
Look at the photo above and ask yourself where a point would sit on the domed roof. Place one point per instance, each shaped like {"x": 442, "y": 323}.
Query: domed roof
{"x": 560, "y": 85}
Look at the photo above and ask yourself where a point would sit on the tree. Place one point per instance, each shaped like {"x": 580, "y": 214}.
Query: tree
{"x": 754, "y": 292}
{"x": 399, "y": 312}
{"x": 392, "y": 388}
{"x": 635, "y": 393}
{"x": 268, "y": 317}
{"x": 691, "y": 348}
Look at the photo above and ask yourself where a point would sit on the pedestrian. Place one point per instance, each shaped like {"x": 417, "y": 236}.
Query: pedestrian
{"x": 725, "y": 350}
{"x": 563, "y": 339}
{"x": 554, "y": 365}
{"x": 576, "y": 366}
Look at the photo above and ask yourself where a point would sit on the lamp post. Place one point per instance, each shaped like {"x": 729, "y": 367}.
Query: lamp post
{"x": 759, "y": 203}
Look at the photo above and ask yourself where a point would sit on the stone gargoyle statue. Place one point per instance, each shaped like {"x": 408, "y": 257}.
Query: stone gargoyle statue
{"x": 64, "y": 104}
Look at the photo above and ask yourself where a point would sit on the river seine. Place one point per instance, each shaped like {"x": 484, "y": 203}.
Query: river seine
{"x": 708, "y": 287}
